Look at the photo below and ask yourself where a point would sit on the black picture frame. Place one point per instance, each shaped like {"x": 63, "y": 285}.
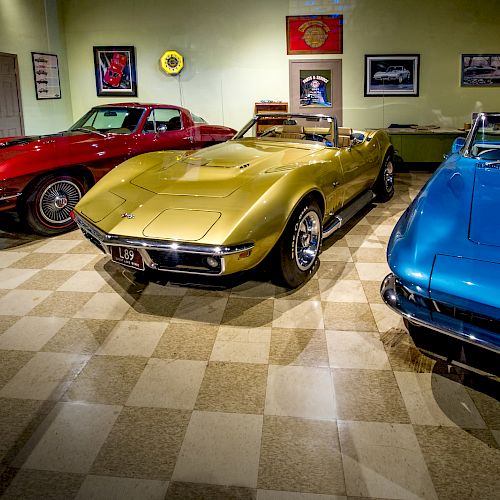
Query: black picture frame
{"x": 392, "y": 75}
{"x": 480, "y": 70}
{"x": 46, "y": 76}
{"x": 115, "y": 71}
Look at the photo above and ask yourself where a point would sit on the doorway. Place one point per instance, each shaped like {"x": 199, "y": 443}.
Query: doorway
{"x": 316, "y": 87}
{"x": 11, "y": 120}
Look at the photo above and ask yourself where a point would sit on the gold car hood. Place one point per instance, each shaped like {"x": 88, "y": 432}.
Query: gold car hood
{"x": 217, "y": 171}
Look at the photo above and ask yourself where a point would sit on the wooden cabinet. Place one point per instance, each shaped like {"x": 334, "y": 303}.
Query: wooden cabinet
{"x": 269, "y": 107}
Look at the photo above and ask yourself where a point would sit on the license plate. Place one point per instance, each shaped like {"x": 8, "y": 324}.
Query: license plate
{"x": 129, "y": 257}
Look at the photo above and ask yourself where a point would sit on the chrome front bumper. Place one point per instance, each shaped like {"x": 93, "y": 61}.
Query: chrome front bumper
{"x": 447, "y": 320}
{"x": 164, "y": 255}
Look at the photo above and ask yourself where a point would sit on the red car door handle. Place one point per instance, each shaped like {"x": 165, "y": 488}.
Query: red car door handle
{"x": 187, "y": 139}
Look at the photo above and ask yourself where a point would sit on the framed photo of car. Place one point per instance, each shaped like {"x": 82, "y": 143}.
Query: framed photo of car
{"x": 46, "y": 74}
{"x": 115, "y": 71}
{"x": 392, "y": 75}
{"x": 480, "y": 70}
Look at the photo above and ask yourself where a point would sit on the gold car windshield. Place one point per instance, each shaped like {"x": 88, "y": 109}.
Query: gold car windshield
{"x": 291, "y": 127}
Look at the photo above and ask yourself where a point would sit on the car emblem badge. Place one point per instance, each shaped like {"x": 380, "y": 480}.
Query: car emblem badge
{"x": 128, "y": 216}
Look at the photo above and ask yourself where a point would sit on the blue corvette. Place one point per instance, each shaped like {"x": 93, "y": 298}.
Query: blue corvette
{"x": 444, "y": 254}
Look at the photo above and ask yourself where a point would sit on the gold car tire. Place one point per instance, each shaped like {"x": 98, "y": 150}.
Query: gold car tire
{"x": 297, "y": 251}
{"x": 384, "y": 185}
{"x": 50, "y": 201}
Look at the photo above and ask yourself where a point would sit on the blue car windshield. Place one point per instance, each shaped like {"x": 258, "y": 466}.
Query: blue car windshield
{"x": 485, "y": 140}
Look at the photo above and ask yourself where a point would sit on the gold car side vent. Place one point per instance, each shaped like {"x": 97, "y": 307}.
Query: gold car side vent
{"x": 282, "y": 168}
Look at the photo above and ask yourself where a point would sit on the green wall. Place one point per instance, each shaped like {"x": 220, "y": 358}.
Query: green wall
{"x": 34, "y": 26}
{"x": 235, "y": 54}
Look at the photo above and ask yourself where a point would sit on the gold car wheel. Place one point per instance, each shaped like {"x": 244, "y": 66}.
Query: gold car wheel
{"x": 307, "y": 240}
{"x": 389, "y": 176}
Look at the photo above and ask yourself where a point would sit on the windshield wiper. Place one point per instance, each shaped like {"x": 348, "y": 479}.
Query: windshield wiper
{"x": 83, "y": 129}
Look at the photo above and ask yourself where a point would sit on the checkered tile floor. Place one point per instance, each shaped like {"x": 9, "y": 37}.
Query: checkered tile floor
{"x": 112, "y": 388}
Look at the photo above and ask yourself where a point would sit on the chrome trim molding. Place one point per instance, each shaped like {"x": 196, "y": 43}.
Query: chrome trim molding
{"x": 390, "y": 296}
{"x": 10, "y": 196}
{"x": 113, "y": 239}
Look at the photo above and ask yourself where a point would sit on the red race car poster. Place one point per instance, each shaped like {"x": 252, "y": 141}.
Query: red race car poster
{"x": 115, "y": 71}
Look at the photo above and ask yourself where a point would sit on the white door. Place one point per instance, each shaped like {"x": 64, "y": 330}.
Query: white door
{"x": 10, "y": 109}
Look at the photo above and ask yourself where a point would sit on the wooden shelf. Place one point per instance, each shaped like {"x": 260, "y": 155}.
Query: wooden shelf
{"x": 266, "y": 107}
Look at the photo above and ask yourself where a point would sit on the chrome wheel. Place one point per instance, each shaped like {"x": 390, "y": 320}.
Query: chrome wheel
{"x": 389, "y": 176}
{"x": 307, "y": 241}
{"x": 57, "y": 201}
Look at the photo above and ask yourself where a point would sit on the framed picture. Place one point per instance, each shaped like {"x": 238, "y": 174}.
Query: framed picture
{"x": 46, "y": 73}
{"x": 115, "y": 71}
{"x": 314, "y": 34}
{"x": 480, "y": 70}
{"x": 392, "y": 75}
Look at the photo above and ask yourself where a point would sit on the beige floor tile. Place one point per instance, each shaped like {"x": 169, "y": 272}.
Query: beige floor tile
{"x": 293, "y": 495}
{"x": 36, "y": 260}
{"x": 334, "y": 271}
{"x": 46, "y": 280}
{"x": 21, "y": 302}
{"x": 356, "y": 350}
{"x": 85, "y": 247}
{"x": 63, "y": 304}
{"x": 18, "y": 419}
{"x": 153, "y": 308}
{"x": 363, "y": 241}
{"x": 133, "y": 338}
{"x": 383, "y": 460}
{"x": 308, "y": 291}
{"x": 34, "y": 484}
{"x": 31, "y": 333}
{"x": 169, "y": 289}
{"x": 336, "y": 254}
{"x": 245, "y": 311}
{"x": 106, "y": 379}
{"x": 57, "y": 245}
{"x": 149, "y": 439}
{"x": 383, "y": 229}
{"x": 484, "y": 393}
{"x": 254, "y": 289}
{"x": 70, "y": 439}
{"x": 220, "y": 448}
{"x": 7, "y": 321}
{"x": 11, "y": 362}
{"x": 300, "y": 391}
{"x": 117, "y": 488}
{"x": 300, "y": 455}
{"x": 45, "y": 376}
{"x": 186, "y": 341}
{"x": 83, "y": 281}
{"x": 168, "y": 384}
{"x": 372, "y": 271}
{"x": 432, "y": 399}
{"x": 242, "y": 345}
{"x": 372, "y": 291}
{"x": 386, "y": 318}
{"x": 462, "y": 464}
{"x": 370, "y": 395}
{"x": 7, "y": 259}
{"x": 345, "y": 316}
{"x": 342, "y": 291}
{"x": 71, "y": 262}
{"x": 11, "y": 277}
{"x": 104, "y": 306}
{"x": 233, "y": 387}
{"x": 196, "y": 491}
{"x": 369, "y": 255}
{"x": 83, "y": 336}
{"x": 297, "y": 314}
{"x": 298, "y": 346}
{"x": 205, "y": 309}
{"x": 496, "y": 435}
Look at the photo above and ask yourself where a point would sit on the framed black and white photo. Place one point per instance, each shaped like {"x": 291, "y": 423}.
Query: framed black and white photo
{"x": 115, "y": 72}
{"x": 46, "y": 73}
{"x": 480, "y": 70}
{"x": 392, "y": 75}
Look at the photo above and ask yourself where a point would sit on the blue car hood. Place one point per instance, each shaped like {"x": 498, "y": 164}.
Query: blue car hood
{"x": 468, "y": 283}
{"x": 485, "y": 210}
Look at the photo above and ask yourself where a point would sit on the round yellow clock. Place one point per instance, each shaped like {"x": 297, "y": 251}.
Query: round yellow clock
{"x": 172, "y": 62}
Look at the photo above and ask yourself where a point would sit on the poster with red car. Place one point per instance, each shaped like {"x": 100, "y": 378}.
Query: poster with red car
{"x": 115, "y": 71}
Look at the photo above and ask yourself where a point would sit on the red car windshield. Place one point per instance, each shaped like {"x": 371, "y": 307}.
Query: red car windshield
{"x": 112, "y": 119}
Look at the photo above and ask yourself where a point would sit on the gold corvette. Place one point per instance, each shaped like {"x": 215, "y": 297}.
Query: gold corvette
{"x": 224, "y": 209}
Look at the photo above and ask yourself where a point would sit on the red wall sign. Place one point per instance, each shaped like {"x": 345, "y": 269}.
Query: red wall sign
{"x": 314, "y": 34}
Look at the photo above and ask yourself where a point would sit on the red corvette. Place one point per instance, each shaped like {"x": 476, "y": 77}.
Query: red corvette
{"x": 43, "y": 177}
{"x": 114, "y": 73}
